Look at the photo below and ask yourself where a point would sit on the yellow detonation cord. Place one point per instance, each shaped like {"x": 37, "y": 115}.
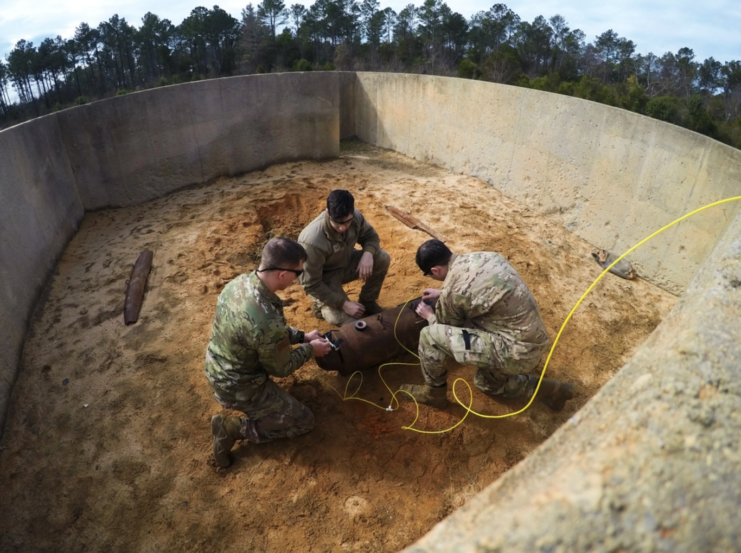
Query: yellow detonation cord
{"x": 468, "y": 409}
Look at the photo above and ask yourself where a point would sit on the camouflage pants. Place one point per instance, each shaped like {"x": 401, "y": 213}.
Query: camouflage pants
{"x": 272, "y": 413}
{"x": 368, "y": 293}
{"x": 498, "y": 374}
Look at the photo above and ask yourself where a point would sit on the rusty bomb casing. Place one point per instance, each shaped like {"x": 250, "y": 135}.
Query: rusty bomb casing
{"x": 136, "y": 285}
{"x": 363, "y": 349}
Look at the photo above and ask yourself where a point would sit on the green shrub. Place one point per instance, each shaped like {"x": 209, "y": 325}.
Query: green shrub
{"x": 635, "y": 99}
{"x": 549, "y": 83}
{"x": 698, "y": 118}
{"x": 566, "y": 88}
{"x": 467, "y": 69}
{"x": 665, "y": 108}
{"x": 524, "y": 81}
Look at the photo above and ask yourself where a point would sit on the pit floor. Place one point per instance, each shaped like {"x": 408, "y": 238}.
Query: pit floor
{"x": 120, "y": 458}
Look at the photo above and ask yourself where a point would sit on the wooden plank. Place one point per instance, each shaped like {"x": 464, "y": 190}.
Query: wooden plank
{"x": 403, "y": 217}
{"x": 413, "y": 222}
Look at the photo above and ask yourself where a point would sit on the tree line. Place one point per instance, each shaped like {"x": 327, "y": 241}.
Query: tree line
{"x": 495, "y": 45}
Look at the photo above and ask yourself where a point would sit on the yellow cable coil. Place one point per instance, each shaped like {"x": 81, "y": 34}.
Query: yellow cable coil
{"x": 548, "y": 359}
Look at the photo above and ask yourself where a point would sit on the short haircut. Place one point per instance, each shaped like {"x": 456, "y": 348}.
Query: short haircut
{"x": 340, "y": 204}
{"x": 282, "y": 253}
{"x": 431, "y": 254}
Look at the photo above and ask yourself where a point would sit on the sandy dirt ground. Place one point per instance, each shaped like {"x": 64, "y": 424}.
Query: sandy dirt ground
{"x": 108, "y": 443}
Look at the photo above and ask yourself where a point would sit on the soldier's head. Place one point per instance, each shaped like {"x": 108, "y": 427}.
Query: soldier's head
{"x": 341, "y": 209}
{"x": 432, "y": 258}
{"x": 281, "y": 263}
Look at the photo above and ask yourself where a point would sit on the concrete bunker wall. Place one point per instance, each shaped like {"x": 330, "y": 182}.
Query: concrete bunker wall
{"x": 608, "y": 175}
{"x": 646, "y": 464}
{"x": 132, "y": 149}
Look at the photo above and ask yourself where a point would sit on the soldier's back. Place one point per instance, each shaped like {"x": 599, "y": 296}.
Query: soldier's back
{"x": 497, "y": 294}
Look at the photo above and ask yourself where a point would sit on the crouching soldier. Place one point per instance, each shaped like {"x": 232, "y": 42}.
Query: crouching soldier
{"x": 250, "y": 342}
{"x": 332, "y": 261}
{"x": 486, "y": 316}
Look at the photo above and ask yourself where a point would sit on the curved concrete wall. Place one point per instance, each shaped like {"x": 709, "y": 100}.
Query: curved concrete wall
{"x": 134, "y": 148}
{"x": 131, "y": 149}
{"x": 652, "y": 462}
{"x": 608, "y": 175}
{"x": 40, "y": 211}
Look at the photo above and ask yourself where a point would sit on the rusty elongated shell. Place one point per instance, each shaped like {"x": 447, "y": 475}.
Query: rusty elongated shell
{"x": 135, "y": 289}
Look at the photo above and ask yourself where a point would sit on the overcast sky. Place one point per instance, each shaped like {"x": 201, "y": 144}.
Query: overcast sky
{"x": 710, "y": 27}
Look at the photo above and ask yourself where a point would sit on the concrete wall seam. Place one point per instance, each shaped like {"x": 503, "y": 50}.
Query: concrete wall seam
{"x": 134, "y": 148}
{"x": 608, "y": 175}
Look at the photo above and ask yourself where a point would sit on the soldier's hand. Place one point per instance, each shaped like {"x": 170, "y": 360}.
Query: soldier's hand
{"x": 424, "y": 310}
{"x": 310, "y": 336}
{"x": 353, "y": 309}
{"x": 430, "y": 294}
{"x": 321, "y": 347}
{"x": 365, "y": 267}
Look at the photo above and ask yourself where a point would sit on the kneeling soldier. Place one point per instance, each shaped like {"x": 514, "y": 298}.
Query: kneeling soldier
{"x": 329, "y": 241}
{"x": 250, "y": 342}
{"x": 485, "y": 316}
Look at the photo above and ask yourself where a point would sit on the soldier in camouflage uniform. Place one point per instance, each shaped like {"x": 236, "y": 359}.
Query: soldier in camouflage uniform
{"x": 484, "y": 316}
{"x": 250, "y": 342}
{"x": 329, "y": 241}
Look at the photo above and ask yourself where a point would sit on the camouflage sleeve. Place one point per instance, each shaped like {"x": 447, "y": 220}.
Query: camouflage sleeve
{"x": 295, "y": 336}
{"x": 311, "y": 279}
{"x": 278, "y": 359}
{"x": 485, "y": 302}
{"x": 450, "y": 309}
{"x": 367, "y": 236}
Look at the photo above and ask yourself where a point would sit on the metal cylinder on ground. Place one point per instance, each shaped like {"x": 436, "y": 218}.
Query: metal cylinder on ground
{"x": 375, "y": 343}
{"x": 136, "y": 285}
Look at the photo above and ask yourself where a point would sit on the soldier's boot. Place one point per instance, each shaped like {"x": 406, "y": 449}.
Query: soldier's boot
{"x": 317, "y": 311}
{"x": 436, "y": 397}
{"x": 554, "y": 393}
{"x": 226, "y": 431}
{"x": 371, "y": 308}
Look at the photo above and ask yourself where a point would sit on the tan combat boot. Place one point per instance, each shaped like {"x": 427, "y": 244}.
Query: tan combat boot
{"x": 434, "y": 397}
{"x": 226, "y": 431}
{"x": 555, "y": 394}
{"x": 317, "y": 311}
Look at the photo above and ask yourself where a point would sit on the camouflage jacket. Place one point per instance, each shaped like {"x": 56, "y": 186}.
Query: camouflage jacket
{"x": 485, "y": 289}
{"x": 250, "y": 340}
{"x": 328, "y": 250}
